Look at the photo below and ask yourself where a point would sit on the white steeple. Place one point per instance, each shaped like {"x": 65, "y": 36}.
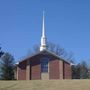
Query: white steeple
{"x": 43, "y": 38}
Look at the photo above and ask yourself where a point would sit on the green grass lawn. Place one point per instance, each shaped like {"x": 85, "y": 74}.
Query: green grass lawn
{"x": 46, "y": 85}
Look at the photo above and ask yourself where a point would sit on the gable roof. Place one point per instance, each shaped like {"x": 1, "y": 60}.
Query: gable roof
{"x": 44, "y": 51}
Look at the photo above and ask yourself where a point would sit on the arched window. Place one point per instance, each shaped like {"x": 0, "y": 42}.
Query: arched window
{"x": 44, "y": 65}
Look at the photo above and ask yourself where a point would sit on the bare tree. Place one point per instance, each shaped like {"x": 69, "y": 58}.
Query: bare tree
{"x": 55, "y": 48}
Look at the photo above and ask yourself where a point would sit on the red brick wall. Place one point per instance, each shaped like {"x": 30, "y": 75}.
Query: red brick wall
{"x": 54, "y": 69}
{"x": 67, "y": 71}
{"x": 35, "y": 68}
{"x": 22, "y": 71}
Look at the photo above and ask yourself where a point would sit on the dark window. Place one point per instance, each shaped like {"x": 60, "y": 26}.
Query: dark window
{"x": 44, "y": 65}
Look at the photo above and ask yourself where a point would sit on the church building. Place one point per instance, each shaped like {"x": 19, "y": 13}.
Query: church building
{"x": 44, "y": 65}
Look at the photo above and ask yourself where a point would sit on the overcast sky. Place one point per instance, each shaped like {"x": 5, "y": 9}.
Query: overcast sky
{"x": 67, "y": 23}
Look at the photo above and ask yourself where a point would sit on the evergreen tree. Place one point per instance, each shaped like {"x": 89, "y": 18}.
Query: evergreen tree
{"x": 1, "y": 52}
{"x": 80, "y": 71}
{"x": 7, "y": 67}
{"x": 84, "y": 70}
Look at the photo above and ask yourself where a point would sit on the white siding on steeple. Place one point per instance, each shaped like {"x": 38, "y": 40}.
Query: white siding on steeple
{"x": 43, "y": 38}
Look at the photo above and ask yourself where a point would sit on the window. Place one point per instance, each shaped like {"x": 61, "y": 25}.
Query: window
{"x": 44, "y": 65}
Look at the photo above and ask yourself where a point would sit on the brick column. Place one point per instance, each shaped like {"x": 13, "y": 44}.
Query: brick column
{"x": 28, "y": 70}
{"x": 17, "y": 72}
{"x": 61, "y": 69}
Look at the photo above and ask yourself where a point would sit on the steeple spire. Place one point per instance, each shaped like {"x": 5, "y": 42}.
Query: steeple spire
{"x": 43, "y": 38}
{"x": 43, "y": 27}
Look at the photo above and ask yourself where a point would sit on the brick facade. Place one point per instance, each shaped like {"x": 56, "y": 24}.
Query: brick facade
{"x": 54, "y": 69}
{"x": 35, "y": 68}
{"x": 21, "y": 71}
{"x": 30, "y": 69}
{"x": 67, "y": 71}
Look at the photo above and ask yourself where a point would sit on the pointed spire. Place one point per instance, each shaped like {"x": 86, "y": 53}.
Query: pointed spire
{"x": 43, "y": 38}
{"x": 43, "y": 27}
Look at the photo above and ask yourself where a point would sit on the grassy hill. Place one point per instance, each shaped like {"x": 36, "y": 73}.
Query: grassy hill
{"x": 46, "y": 85}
